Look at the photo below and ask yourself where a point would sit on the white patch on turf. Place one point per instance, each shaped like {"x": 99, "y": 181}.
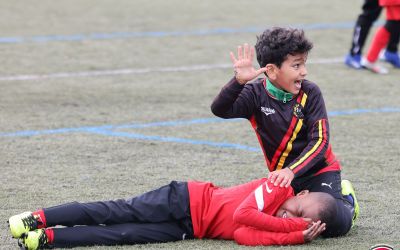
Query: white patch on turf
{"x": 95, "y": 73}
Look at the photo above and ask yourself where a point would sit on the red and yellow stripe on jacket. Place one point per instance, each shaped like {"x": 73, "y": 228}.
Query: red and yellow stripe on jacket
{"x": 286, "y": 144}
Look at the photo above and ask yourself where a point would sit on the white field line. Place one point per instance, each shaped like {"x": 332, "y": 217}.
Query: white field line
{"x": 137, "y": 71}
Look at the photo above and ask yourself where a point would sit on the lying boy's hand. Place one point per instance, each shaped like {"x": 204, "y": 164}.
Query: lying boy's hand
{"x": 314, "y": 231}
{"x": 309, "y": 221}
{"x": 282, "y": 177}
{"x": 243, "y": 64}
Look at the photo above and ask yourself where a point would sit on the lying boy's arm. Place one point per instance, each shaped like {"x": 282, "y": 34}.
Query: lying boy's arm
{"x": 252, "y": 237}
{"x": 262, "y": 221}
{"x": 253, "y": 210}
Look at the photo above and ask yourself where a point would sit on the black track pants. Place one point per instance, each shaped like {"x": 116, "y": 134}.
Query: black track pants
{"x": 161, "y": 215}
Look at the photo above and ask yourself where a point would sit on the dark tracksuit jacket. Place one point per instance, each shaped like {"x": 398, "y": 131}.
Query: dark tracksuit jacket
{"x": 292, "y": 134}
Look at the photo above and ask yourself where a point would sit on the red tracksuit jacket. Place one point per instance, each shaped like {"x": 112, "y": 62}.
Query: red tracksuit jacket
{"x": 392, "y": 9}
{"x": 244, "y": 213}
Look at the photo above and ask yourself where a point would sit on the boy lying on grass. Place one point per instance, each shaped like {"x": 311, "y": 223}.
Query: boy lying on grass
{"x": 254, "y": 213}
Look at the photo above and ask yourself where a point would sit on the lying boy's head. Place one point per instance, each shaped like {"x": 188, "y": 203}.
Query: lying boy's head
{"x": 274, "y": 45}
{"x": 314, "y": 205}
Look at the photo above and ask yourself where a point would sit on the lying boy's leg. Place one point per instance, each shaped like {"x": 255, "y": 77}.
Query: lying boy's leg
{"x": 330, "y": 182}
{"x": 170, "y": 202}
{"x": 118, "y": 234}
{"x": 129, "y": 233}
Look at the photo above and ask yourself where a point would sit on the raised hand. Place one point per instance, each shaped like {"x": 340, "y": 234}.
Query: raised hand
{"x": 314, "y": 231}
{"x": 243, "y": 64}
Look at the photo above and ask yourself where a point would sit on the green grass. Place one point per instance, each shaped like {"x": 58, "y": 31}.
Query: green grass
{"x": 47, "y": 169}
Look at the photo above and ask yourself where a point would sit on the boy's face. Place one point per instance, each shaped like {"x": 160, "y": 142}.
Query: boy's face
{"x": 304, "y": 204}
{"x": 291, "y": 73}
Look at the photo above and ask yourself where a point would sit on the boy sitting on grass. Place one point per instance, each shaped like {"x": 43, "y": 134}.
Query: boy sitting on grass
{"x": 255, "y": 213}
{"x": 288, "y": 114}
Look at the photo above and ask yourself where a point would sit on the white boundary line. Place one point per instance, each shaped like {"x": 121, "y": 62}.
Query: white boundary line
{"x": 137, "y": 71}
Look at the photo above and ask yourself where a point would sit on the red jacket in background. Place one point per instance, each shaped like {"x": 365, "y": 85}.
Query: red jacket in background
{"x": 392, "y": 8}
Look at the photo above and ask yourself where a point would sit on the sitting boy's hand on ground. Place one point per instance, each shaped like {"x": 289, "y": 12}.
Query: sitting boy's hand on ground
{"x": 314, "y": 231}
{"x": 282, "y": 177}
{"x": 243, "y": 64}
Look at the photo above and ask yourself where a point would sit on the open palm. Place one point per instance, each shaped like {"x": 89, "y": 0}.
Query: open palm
{"x": 314, "y": 231}
{"x": 243, "y": 64}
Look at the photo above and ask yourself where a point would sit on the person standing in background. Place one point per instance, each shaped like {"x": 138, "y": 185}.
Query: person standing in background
{"x": 370, "y": 13}
{"x": 391, "y": 30}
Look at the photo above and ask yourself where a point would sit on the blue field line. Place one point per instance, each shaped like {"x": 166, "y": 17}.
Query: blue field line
{"x": 158, "y": 34}
{"x": 110, "y": 130}
{"x": 94, "y": 129}
{"x": 53, "y": 131}
{"x": 174, "y": 140}
{"x": 363, "y": 111}
{"x": 176, "y": 123}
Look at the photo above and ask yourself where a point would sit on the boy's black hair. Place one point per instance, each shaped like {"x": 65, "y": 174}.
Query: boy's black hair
{"x": 274, "y": 45}
{"x": 327, "y": 213}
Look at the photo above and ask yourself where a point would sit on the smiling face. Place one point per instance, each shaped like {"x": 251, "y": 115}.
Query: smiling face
{"x": 291, "y": 73}
{"x": 304, "y": 204}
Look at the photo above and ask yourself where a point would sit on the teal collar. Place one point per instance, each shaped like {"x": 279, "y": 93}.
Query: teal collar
{"x": 278, "y": 93}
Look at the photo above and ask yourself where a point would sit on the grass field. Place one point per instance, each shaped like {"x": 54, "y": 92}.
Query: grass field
{"x": 108, "y": 99}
